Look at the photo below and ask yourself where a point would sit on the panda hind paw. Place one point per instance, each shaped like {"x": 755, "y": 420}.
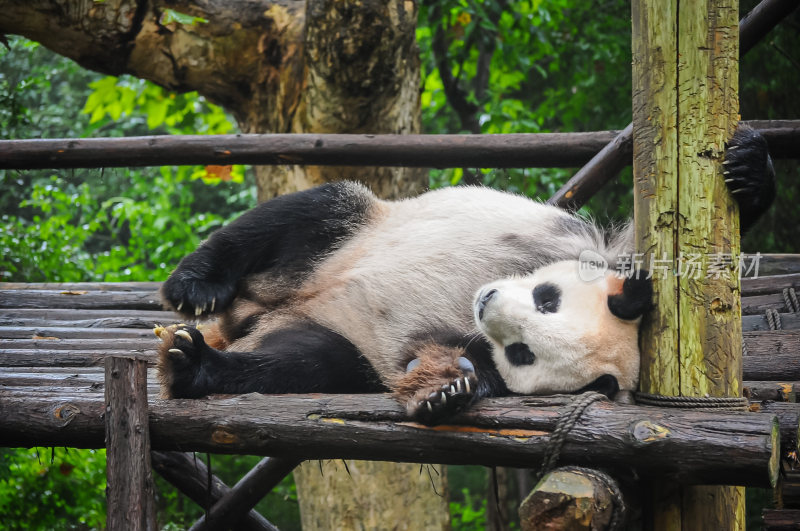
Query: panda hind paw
{"x": 180, "y": 358}
{"x": 432, "y": 406}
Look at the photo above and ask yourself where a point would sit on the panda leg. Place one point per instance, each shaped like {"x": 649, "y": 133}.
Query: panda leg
{"x": 286, "y": 234}
{"x": 443, "y": 380}
{"x": 304, "y": 358}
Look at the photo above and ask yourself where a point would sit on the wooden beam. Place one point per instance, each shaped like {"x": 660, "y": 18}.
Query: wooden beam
{"x": 248, "y": 491}
{"x": 685, "y": 78}
{"x": 190, "y": 475}
{"x": 608, "y": 151}
{"x": 684, "y": 446}
{"x": 131, "y": 504}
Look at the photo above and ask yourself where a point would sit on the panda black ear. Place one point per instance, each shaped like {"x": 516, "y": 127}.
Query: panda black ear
{"x": 633, "y": 298}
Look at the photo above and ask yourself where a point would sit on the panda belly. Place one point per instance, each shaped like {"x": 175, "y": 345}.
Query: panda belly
{"x": 415, "y": 272}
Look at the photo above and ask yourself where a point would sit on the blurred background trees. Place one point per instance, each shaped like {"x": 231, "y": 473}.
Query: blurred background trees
{"x": 508, "y": 66}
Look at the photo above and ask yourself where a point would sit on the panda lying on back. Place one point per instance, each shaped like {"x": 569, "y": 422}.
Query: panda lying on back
{"x": 457, "y": 294}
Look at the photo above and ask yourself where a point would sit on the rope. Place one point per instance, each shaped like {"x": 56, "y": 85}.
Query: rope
{"x": 563, "y": 427}
{"x": 618, "y": 512}
{"x": 774, "y": 319}
{"x": 790, "y": 299}
{"x": 716, "y": 403}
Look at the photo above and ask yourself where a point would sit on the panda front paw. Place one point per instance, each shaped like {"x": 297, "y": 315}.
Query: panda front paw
{"x": 433, "y": 406}
{"x": 180, "y": 361}
{"x": 195, "y": 297}
{"x": 749, "y": 174}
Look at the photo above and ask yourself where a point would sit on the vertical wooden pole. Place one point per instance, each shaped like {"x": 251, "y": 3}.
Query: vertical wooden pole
{"x": 685, "y": 105}
{"x": 130, "y": 482}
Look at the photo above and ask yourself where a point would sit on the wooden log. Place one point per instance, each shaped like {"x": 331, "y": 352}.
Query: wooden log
{"x": 604, "y": 166}
{"x": 756, "y": 323}
{"x": 130, "y": 343}
{"x": 80, "y": 299}
{"x": 575, "y": 499}
{"x": 684, "y": 446}
{"x": 130, "y": 491}
{"x": 82, "y": 286}
{"x": 248, "y": 491}
{"x": 526, "y": 150}
{"x": 764, "y": 285}
{"x": 778, "y": 367}
{"x": 190, "y": 476}
{"x": 69, "y": 332}
{"x": 760, "y": 21}
{"x": 685, "y": 106}
{"x": 772, "y": 342}
{"x": 781, "y": 519}
{"x": 71, "y": 314}
{"x": 776, "y": 264}
{"x": 425, "y": 151}
{"x": 788, "y": 418}
{"x": 67, "y": 358}
{"x": 757, "y": 391}
{"x": 758, "y": 304}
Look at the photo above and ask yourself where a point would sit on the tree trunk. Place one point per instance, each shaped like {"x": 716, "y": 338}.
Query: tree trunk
{"x": 282, "y": 66}
{"x": 339, "y": 494}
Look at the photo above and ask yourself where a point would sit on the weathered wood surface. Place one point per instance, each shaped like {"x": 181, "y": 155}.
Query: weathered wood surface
{"x": 248, "y": 491}
{"x": 80, "y": 299}
{"x": 526, "y": 150}
{"x": 763, "y": 285}
{"x": 189, "y": 474}
{"x": 788, "y": 419}
{"x": 756, "y": 323}
{"x": 568, "y": 499}
{"x": 130, "y": 491}
{"x": 685, "y": 446}
{"x": 781, "y": 519}
{"x": 67, "y": 358}
{"x": 685, "y": 108}
{"x": 777, "y": 391}
{"x": 767, "y": 343}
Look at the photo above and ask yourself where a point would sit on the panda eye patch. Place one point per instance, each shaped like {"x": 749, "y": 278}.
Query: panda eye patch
{"x": 546, "y": 297}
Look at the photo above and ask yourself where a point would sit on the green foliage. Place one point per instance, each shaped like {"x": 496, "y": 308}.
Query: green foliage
{"x": 44, "y": 488}
{"x": 469, "y": 514}
{"x": 524, "y": 66}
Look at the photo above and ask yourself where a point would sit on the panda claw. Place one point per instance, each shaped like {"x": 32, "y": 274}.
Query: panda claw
{"x": 185, "y": 335}
{"x": 176, "y": 351}
{"x": 180, "y": 305}
{"x": 430, "y": 407}
{"x": 213, "y": 303}
{"x": 458, "y": 385}
{"x": 444, "y": 399}
{"x": 452, "y": 390}
{"x": 466, "y": 384}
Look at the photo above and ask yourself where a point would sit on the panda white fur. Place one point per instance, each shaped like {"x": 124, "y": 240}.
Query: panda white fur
{"x": 333, "y": 290}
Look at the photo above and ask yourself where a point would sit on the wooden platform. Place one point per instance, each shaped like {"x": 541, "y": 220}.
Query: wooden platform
{"x": 54, "y": 339}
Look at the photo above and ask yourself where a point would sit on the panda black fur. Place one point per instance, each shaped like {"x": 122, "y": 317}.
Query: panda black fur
{"x": 333, "y": 290}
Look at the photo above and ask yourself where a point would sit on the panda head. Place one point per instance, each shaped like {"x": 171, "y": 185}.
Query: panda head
{"x": 552, "y": 331}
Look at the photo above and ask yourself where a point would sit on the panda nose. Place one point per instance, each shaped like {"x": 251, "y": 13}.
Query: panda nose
{"x": 483, "y": 300}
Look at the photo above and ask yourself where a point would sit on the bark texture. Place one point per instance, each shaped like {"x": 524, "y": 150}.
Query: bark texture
{"x": 284, "y": 66}
{"x": 685, "y": 70}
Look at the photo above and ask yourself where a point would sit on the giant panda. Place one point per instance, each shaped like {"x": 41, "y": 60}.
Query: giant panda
{"x": 454, "y": 295}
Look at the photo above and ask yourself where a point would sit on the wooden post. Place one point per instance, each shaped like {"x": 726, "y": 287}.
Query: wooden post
{"x": 130, "y": 481}
{"x": 685, "y": 79}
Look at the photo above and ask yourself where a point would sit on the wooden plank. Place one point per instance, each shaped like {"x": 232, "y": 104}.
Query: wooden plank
{"x": 69, "y": 332}
{"x": 130, "y": 490}
{"x": 82, "y": 286}
{"x": 764, "y": 285}
{"x": 682, "y": 446}
{"x": 779, "y": 391}
{"x": 80, "y": 299}
{"x": 72, "y": 314}
{"x": 781, "y": 519}
{"x": 134, "y": 343}
{"x": 756, "y": 323}
{"x": 781, "y": 342}
{"x": 67, "y": 358}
